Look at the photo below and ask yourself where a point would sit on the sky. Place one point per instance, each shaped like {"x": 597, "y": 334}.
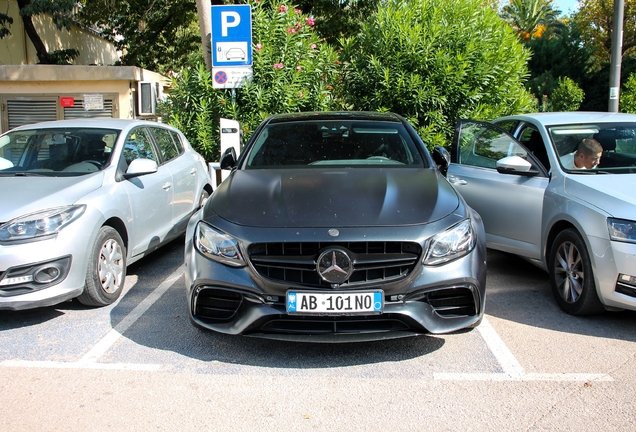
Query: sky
{"x": 566, "y": 6}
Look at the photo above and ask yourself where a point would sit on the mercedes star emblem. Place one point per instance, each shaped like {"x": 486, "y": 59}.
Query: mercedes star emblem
{"x": 334, "y": 265}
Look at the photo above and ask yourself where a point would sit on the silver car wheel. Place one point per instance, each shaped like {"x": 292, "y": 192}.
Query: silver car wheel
{"x": 572, "y": 275}
{"x": 110, "y": 267}
{"x": 569, "y": 272}
{"x": 106, "y": 270}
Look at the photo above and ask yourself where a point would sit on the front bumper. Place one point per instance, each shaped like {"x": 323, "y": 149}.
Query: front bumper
{"x": 431, "y": 299}
{"x": 616, "y": 259}
{"x": 71, "y": 243}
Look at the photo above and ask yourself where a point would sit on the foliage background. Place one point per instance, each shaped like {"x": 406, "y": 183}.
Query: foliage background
{"x": 434, "y": 63}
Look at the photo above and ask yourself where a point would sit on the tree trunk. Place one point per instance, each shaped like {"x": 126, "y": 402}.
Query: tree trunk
{"x": 40, "y": 48}
{"x": 205, "y": 24}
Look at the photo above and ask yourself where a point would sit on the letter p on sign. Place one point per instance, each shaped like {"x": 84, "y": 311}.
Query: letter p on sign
{"x": 229, "y": 19}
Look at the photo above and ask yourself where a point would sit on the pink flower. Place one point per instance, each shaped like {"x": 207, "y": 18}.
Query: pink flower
{"x": 310, "y": 21}
{"x": 300, "y": 94}
{"x": 282, "y": 9}
{"x": 259, "y": 47}
{"x": 313, "y": 46}
{"x": 298, "y": 11}
{"x": 278, "y": 65}
{"x": 291, "y": 30}
{"x": 298, "y": 68}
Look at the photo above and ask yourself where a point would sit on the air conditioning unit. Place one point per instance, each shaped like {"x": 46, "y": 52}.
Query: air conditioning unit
{"x": 147, "y": 94}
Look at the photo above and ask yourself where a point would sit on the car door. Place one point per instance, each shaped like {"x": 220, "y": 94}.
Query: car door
{"x": 151, "y": 195}
{"x": 510, "y": 202}
{"x": 183, "y": 169}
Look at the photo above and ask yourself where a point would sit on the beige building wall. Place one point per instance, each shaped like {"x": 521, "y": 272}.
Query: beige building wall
{"x": 29, "y": 85}
{"x": 17, "y": 49}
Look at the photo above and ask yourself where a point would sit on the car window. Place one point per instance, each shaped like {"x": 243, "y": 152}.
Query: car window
{"x": 138, "y": 145}
{"x": 165, "y": 141}
{"x": 177, "y": 141}
{"x": 55, "y": 150}
{"x": 482, "y": 146}
{"x": 341, "y": 143}
{"x": 507, "y": 125}
{"x": 531, "y": 138}
{"x": 617, "y": 141}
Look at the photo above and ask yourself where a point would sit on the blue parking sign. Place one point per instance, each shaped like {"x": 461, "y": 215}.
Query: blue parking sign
{"x": 231, "y": 35}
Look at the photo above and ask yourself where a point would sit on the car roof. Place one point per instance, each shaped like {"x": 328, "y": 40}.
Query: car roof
{"x": 575, "y": 117}
{"x": 108, "y": 123}
{"x": 336, "y": 115}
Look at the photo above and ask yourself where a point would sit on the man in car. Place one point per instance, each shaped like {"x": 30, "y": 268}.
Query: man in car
{"x": 587, "y": 155}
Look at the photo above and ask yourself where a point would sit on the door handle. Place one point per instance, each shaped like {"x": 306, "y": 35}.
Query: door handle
{"x": 456, "y": 180}
{"x": 166, "y": 186}
{"x": 193, "y": 171}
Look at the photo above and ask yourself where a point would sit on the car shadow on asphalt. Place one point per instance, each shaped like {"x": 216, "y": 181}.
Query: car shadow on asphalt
{"x": 166, "y": 326}
{"x": 518, "y": 291}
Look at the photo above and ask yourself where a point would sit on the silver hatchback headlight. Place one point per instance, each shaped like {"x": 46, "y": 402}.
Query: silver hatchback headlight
{"x": 455, "y": 242}
{"x": 217, "y": 245}
{"x": 40, "y": 225}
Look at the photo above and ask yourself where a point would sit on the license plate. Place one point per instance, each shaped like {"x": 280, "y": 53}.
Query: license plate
{"x": 332, "y": 303}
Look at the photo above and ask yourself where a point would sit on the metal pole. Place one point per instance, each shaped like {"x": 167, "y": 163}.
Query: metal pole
{"x": 617, "y": 53}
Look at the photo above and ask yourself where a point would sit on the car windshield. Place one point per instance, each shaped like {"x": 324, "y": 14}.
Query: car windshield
{"x": 55, "y": 152}
{"x": 596, "y": 147}
{"x": 343, "y": 143}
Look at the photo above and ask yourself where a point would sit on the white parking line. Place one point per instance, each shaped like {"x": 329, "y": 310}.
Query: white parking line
{"x": 89, "y": 361}
{"x": 512, "y": 369}
{"x": 107, "y": 341}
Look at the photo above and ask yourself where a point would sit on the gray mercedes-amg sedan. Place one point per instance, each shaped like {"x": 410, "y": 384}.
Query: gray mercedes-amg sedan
{"x": 333, "y": 227}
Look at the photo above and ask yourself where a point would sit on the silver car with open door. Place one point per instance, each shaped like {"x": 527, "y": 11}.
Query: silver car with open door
{"x": 576, "y": 221}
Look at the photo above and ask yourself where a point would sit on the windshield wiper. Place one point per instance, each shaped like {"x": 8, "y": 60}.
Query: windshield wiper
{"x": 25, "y": 174}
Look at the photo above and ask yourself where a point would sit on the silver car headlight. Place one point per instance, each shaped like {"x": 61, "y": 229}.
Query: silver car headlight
{"x": 217, "y": 245}
{"x": 39, "y": 225}
{"x": 451, "y": 244}
{"x": 622, "y": 230}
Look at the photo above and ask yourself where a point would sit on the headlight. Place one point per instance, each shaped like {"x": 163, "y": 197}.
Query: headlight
{"x": 217, "y": 246}
{"x": 451, "y": 244}
{"x": 38, "y": 225}
{"x": 622, "y": 230}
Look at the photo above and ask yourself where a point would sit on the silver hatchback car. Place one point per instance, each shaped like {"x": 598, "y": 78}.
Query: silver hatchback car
{"x": 82, "y": 199}
{"x": 559, "y": 190}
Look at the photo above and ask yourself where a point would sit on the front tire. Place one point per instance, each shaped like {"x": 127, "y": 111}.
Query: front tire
{"x": 571, "y": 275}
{"x": 106, "y": 270}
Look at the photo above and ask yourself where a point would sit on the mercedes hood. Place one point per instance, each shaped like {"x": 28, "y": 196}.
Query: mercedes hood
{"x": 327, "y": 197}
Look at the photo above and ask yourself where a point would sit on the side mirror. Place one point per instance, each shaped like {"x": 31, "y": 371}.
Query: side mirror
{"x": 228, "y": 160}
{"x": 140, "y": 167}
{"x": 516, "y": 165}
{"x": 442, "y": 158}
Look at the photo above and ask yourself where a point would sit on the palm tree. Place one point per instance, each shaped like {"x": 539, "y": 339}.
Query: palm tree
{"x": 530, "y": 17}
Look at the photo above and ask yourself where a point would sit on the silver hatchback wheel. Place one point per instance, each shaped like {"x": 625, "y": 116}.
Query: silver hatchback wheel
{"x": 110, "y": 267}
{"x": 106, "y": 270}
